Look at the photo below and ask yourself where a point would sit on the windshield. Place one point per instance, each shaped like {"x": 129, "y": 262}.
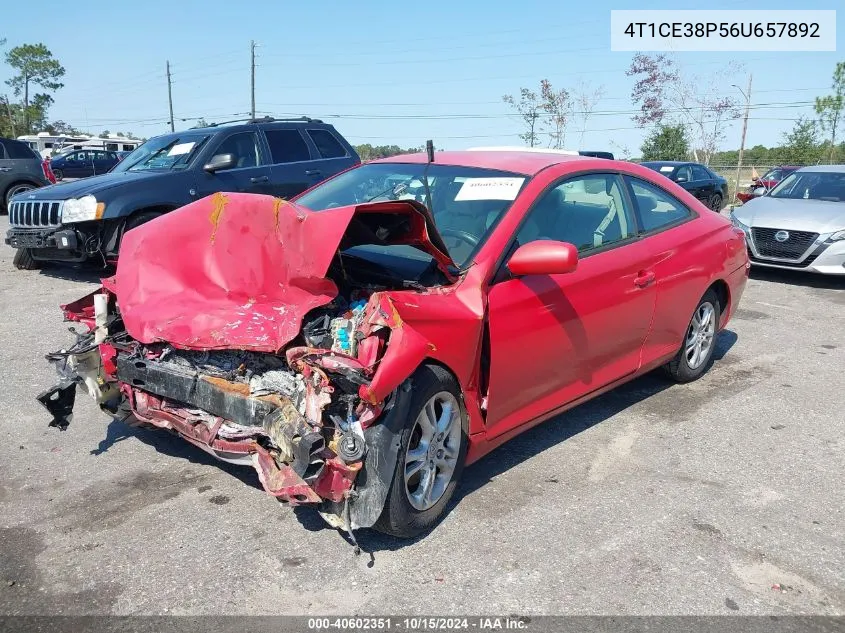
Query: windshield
{"x": 812, "y": 185}
{"x": 466, "y": 202}
{"x": 173, "y": 151}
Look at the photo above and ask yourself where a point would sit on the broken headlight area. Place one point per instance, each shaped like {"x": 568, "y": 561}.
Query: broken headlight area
{"x": 296, "y": 416}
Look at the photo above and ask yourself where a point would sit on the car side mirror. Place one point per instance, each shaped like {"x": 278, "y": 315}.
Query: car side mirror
{"x": 544, "y": 257}
{"x": 681, "y": 179}
{"x": 220, "y": 162}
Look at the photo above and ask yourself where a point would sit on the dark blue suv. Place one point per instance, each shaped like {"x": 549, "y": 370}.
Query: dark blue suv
{"x": 85, "y": 220}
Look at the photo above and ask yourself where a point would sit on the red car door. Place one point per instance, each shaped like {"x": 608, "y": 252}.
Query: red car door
{"x": 555, "y": 338}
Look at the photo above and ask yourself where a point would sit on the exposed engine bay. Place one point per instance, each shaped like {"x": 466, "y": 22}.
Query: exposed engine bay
{"x": 303, "y": 381}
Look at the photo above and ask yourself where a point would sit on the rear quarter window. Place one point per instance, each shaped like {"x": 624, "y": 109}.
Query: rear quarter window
{"x": 287, "y": 146}
{"x": 16, "y": 149}
{"x": 656, "y": 209}
{"x": 327, "y": 144}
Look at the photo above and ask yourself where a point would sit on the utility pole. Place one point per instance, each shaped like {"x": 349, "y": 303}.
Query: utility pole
{"x": 744, "y": 128}
{"x": 252, "y": 80}
{"x": 170, "y": 97}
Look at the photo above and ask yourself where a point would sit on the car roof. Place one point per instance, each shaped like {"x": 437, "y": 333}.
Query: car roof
{"x": 520, "y": 162}
{"x": 667, "y": 163}
{"x": 835, "y": 169}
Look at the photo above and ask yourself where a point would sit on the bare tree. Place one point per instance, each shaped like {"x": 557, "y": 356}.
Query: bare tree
{"x": 586, "y": 99}
{"x": 663, "y": 96}
{"x": 558, "y": 105}
{"x": 529, "y": 109}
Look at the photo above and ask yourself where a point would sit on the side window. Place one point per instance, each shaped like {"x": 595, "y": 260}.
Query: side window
{"x": 775, "y": 174}
{"x": 656, "y": 208}
{"x": 287, "y": 146}
{"x": 699, "y": 173}
{"x": 2, "y": 152}
{"x": 101, "y": 156}
{"x": 684, "y": 174}
{"x": 587, "y": 211}
{"x": 327, "y": 144}
{"x": 244, "y": 145}
{"x": 16, "y": 149}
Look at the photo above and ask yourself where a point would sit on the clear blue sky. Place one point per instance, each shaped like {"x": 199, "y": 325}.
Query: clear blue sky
{"x": 380, "y": 67}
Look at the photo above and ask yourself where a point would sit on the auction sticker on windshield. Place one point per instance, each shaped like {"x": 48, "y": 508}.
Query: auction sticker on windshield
{"x": 181, "y": 148}
{"x": 489, "y": 189}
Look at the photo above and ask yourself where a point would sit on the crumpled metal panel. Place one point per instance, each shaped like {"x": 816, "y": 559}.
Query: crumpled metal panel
{"x": 230, "y": 271}
{"x": 239, "y": 271}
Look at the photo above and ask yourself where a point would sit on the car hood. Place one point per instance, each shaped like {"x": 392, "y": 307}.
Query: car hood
{"x": 817, "y": 216}
{"x": 240, "y": 271}
{"x": 93, "y": 185}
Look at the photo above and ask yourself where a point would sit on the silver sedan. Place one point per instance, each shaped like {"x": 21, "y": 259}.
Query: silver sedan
{"x": 800, "y": 224}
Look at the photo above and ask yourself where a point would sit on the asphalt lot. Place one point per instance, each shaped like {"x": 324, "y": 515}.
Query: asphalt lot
{"x": 654, "y": 499}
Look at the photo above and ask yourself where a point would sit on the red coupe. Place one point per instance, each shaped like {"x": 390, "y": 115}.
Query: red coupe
{"x": 359, "y": 345}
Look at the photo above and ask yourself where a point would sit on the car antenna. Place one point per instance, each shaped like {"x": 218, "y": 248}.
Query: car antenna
{"x": 429, "y": 150}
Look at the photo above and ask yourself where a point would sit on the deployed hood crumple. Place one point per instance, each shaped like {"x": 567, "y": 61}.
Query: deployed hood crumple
{"x": 240, "y": 271}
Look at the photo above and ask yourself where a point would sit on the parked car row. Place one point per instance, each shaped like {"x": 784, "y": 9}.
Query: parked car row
{"x": 361, "y": 342}
{"x": 699, "y": 180}
{"x": 766, "y": 182}
{"x": 351, "y": 331}
{"x": 21, "y": 170}
{"x": 86, "y": 220}
{"x": 800, "y": 223}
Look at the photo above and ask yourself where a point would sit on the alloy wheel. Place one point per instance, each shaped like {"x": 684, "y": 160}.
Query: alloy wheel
{"x": 433, "y": 450}
{"x": 700, "y": 335}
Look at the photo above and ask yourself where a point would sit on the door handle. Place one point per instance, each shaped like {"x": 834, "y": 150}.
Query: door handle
{"x": 5, "y": 169}
{"x": 258, "y": 179}
{"x": 643, "y": 278}
{"x": 312, "y": 172}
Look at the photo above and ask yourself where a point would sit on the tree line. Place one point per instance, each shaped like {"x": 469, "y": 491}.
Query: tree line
{"x": 681, "y": 132}
{"x": 37, "y": 76}
{"x": 684, "y": 116}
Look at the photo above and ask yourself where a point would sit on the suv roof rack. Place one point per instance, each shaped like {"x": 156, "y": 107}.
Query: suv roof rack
{"x": 268, "y": 119}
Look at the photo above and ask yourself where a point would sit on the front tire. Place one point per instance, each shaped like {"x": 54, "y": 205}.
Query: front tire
{"x": 696, "y": 353}
{"x": 24, "y": 261}
{"x": 432, "y": 452}
{"x": 59, "y": 174}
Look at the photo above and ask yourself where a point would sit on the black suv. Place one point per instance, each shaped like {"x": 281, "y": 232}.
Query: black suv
{"x": 21, "y": 169}
{"x": 86, "y": 219}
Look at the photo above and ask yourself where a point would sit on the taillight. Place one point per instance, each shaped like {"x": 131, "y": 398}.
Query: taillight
{"x": 48, "y": 171}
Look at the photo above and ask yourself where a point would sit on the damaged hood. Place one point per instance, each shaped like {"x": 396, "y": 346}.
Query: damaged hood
{"x": 240, "y": 271}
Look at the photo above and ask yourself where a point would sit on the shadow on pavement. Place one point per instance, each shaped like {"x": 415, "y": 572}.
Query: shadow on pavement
{"x": 546, "y": 435}
{"x": 172, "y": 445}
{"x": 81, "y": 274}
{"x": 799, "y": 278}
{"x": 526, "y": 445}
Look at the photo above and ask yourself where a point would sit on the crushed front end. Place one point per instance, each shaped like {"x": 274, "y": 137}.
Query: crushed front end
{"x": 297, "y": 372}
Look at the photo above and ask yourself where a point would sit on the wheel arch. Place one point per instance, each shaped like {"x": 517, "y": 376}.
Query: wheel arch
{"x": 19, "y": 181}
{"x": 723, "y": 293}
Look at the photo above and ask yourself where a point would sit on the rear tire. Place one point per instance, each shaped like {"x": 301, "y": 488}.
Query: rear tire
{"x": 16, "y": 189}
{"x": 696, "y": 353}
{"x": 409, "y": 510}
{"x": 24, "y": 261}
{"x": 716, "y": 203}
